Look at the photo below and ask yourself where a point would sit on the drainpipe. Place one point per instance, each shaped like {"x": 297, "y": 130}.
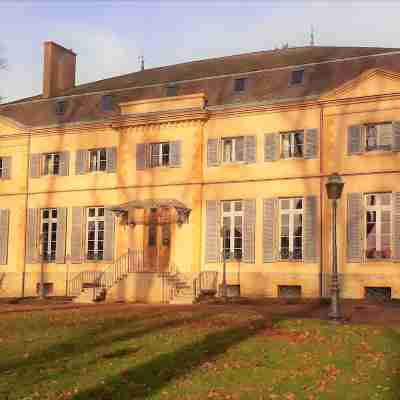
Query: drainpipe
{"x": 321, "y": 202}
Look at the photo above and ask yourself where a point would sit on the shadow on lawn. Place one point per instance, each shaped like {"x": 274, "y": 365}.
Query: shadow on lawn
{"x": 149, "y": 378}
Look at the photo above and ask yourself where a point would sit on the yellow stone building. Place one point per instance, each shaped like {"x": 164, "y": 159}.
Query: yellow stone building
{"x": 121, "y": 188}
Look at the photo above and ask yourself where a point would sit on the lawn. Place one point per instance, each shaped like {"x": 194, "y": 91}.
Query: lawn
{"x": 137, "y": 352}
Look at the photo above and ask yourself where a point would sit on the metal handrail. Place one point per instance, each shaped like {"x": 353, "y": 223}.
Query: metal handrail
{"x": 76, "y": 284}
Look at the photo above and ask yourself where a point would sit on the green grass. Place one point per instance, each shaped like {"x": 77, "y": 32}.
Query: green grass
{"x": 194, "y": 353}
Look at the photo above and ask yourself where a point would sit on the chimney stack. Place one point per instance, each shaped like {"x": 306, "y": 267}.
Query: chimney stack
{"x": 59, "y": 69}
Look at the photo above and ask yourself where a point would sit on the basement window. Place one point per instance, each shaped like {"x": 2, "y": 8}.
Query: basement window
{"x": 297, "y": 77}
{"x": 377, "y": 293}
{"x": 60, "y": 107}
{"x": 240, "y": 85}
{"x": 289, "y": 291}
{"x": 172, "y": 90}
{"x": 48, "y": 288}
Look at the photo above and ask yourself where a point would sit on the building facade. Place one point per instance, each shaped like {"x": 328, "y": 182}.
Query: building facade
{"x": 173, "y": 167}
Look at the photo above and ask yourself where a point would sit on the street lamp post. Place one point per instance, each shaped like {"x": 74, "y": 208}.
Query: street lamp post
{"x": 224, "y": 289}
{"x": 334, "y": 188}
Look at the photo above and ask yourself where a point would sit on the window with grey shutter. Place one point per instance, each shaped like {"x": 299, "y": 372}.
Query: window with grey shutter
{"x": 6, "y": 168}
{"x": 32, "y": 236}
{"x": 111, "y": 159}
{"x": 355, "y": 143}
{"x": 141, "y": 156}
{"x": 311, "y": 147}
{"x": 77, "y": 234}
{"x": 175, "y": 153}
{"x": 269, "y": 227}
{"x": 81, "y": 162}
{"x": 4, "y": 228}
{"x": 64, "y": 163}
{"x": 271, "y": 147}
{"x": 396, "y": 226}
{"x": 34, "y": 165}
{"x": 249, "y": 231}
{"x": 311, "y": 231}
{"x": 396, "y": 136}
{"x": 354, "y": 227}
{"x": 212, "y": 152}
{"x": 250, "y": 149}
{"x": 109, "y": 227}
{"x": 61, "y": 234}
{"x": 212, "y": 232}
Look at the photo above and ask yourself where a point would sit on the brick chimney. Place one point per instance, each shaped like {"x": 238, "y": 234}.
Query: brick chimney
{"x": 59, "y": 69}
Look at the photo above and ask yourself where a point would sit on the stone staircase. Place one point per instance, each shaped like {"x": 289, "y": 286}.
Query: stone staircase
{"x": 182, "y": 291}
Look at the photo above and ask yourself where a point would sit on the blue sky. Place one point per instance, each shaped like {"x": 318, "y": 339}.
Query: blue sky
{"x": 108, "y": 37}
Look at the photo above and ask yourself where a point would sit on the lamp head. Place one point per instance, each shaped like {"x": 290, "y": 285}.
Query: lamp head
{"x": 334, "y": 186}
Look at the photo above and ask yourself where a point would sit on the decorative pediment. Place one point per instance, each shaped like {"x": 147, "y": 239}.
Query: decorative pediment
{"x": 373, "y": 82}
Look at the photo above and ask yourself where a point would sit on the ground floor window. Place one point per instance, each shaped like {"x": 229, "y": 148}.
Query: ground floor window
{"x": 49, "y": 233}
{"x": 232, "y": 225}
{"x": 95, "y": 233}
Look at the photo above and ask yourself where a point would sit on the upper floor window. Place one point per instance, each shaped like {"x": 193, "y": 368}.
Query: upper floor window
{"x": 5, "y": 167}
{"x": 292, "y": 144}
{"x": 160, "y": 154}
{"x": 1, "y": 167}
{"x": 49, "y": 233}
{"x": 95, "y": 233}
{"x": 232, "y": 225}
{"x": 291, "y": 229}
{"x": 233, "y": 149}
{"x": 97, "y": 160}
{"x": 51, "y": 164}
{"x": 106, "y": 102}
{"x": 297, "y": 77}
{"x": 172, "y": 89}
{"x": 378, "y": 225}
{"x": 240, "y": 85}
{"x": 60, "y": 107}
{"x": 379, "y": 136}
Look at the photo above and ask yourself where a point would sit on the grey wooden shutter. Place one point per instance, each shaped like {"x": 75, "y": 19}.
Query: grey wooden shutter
{"x": 271, "y": 147}
{"x": 108, "y": 235}
{"x": 354, "y": 227}
{"x": 4, "y": 228}
{"x": 77, "y": 234}
{"x": 111, "y": 159}
{"x": 396, "y": 226}
{"x": 212, "y": 232}
{"x": 311, "y": 231}
{"x": 34, "y": 165}
{"x": 311, "y": 143}
{"x": 61, "y": 234}
{"x": 269, "y": 223}
{"x": 6, "y": 174}
{"x": 250, "y": 149}
{"x": 355, "y": 139}
{"x": 175, "y": 153}
{"x": 212, "y": 152}
{"x": 396, "y": 135}
{"x": 64, "y": 163}
{"x": 81, "y": 162}
{"x": 249, "y": 231}
{"x": 141, "y": 156}
{"x": 32, "y": 236}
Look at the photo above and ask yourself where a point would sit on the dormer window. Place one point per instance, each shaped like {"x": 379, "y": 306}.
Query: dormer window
{"x": 172, "y": 90}
{"x": 240, "y": 85}
{"x": 297, "y": 77}
{"x": 60, "y": 107}
{"x": 106, "y": 103}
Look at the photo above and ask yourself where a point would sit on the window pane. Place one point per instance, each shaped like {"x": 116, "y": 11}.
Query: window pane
{"x": 286, "y": 146}
{"x": 285, "y": 219}
{"x": 228, "y": 148}
{"x": 238, "y": 206}
{"x": 92, "y": 212}
{"x": 100, "y": 211}
{"x": 297, "y": 254}
{"x": 298, "y": 144}
{"x": 285, "y": 204}
{"x": 372, "y": 137}
{"x": 239, "y": 149}
{"x": 54, "y": 213}
{"x": 226, "y": 206}
{"x": 285, "y": 253}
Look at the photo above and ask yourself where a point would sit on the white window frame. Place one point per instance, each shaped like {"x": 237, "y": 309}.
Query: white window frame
{"x": 291, "y": 211}
{"x": 378, "y": 126}
{"x": 46, "y": 254}
{"x": 96, "y": 219}
{"x": 292, "y": 146}
{"x": 231, "y": 214}
{"x": 160, "y": 156}
{"x": 98, "y": 161}
{"x": 50, "y": 168}
{"x": 234, "y": 141}
{"x": 378, "y": 208}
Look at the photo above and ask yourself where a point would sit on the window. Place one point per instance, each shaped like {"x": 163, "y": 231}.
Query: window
{"x": 379, "y": 136}
{"x": 1, "y": 168}
{"x": 232, "y": 225}
{"x": 297, "y": 77}
{"x": 233, "y": 149}
{"x": 60, "y": 107}
{"x": 97, "y": 160}
{"x": 47, "y": 286}
{"x": 159, "y": 154}
{"x": 240, "y": 85}
{"x": 378, "y": 225}
{"x": 291, "y": 229}
{"x": 49, "y": 233}
{"x": 51, "y": 164}
{"x": 95, "y": 233}
{"x": 106, "y": 103}
{"x": 172, "y": 90}
{"x": 292, "y": 144}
